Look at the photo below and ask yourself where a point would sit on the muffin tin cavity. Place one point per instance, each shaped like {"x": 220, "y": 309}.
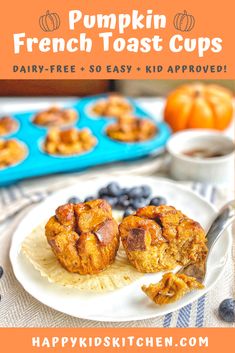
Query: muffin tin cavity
{"x": 132, "y": 129}
{"x": 90, "y": 112}
{"x": 8, "y": 126}
{"x": 105, "y": 150}
{"x": 112, "y": 106}
{"x": 61, "y": 143}
{"x": 55, "y": 116}
{"x": 12, "y": 153}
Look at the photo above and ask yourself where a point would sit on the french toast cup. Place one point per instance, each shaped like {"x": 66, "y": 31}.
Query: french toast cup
{"x": 158, "y": 238}
{"x": 84, "y": 237}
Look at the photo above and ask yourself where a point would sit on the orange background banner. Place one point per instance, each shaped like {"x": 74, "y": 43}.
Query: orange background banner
{"x": 213, "y": 19}
{"x": 31, "y": 340}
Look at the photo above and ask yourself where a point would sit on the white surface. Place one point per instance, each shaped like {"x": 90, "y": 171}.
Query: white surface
{"x": 128, "y": 303}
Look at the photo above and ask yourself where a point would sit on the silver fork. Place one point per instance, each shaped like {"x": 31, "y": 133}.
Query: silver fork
{"x": 221, "y": 222}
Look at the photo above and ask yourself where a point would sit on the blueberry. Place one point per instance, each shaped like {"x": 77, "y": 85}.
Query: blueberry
{"x": 89, "y": 198}
{"x": 1, "y": 271}
{"x": 103, "y": 192}
{"x": 111, "y": 200}
{"x": 227, "y": 310}
{"x": 138, "y": 203}
{"x": 135, "y": 192}
{"x": 128, "y": 212}
{"x": 74, "y": 200}
{"x": 157, "y": 201}
{"x": 123, "y": 202}
{"x": 124, "y": 191}
{"x": 146, "y": 191}
{"x": 113, "y": 189}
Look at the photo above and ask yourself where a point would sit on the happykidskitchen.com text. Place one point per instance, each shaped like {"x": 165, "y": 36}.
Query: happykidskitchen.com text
{"x": 118, "y": 342}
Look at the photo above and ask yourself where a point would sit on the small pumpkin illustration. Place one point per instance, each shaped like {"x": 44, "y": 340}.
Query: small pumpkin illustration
{"x": 184, "y": 22}
{"x": 49, "y": 22}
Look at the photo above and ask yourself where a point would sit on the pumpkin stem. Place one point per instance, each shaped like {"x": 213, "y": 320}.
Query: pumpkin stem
{"x": 197, "y": 93}
{"x": 185, "y": 12}
{"x": 47, "y": 13}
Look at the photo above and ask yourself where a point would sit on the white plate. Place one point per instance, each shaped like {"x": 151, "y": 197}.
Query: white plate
{"x": 128, "y": 303}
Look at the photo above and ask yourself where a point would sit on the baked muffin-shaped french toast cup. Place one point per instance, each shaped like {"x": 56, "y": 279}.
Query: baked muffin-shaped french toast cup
{"x": 84, "y": 237}
{"x": 55, "y": 116}
{"x": 132, "y": 129}
{"x": 158, "y": 238}
{"x": 113, "y": 106}
{"x": 12, "y": 151}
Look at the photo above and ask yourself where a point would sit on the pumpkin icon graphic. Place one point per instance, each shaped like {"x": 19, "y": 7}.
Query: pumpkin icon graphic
{"x": 49, "y": 22}
{"x": 184, "y": 22}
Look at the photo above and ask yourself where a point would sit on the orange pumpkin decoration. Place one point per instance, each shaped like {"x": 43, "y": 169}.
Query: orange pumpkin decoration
{"x": 199, "y": 106}
{"x": 49, "y": 22}
{"x": 184, "y": 22}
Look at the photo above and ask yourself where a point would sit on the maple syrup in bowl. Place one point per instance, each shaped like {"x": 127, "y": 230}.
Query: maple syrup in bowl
{"x": 207, "y": 152}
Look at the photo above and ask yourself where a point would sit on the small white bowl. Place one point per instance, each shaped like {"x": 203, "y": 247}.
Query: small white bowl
{"x": 212, "y": 170}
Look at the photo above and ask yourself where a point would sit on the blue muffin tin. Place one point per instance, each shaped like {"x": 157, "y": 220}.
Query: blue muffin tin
{"x": 39, "y": 163}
